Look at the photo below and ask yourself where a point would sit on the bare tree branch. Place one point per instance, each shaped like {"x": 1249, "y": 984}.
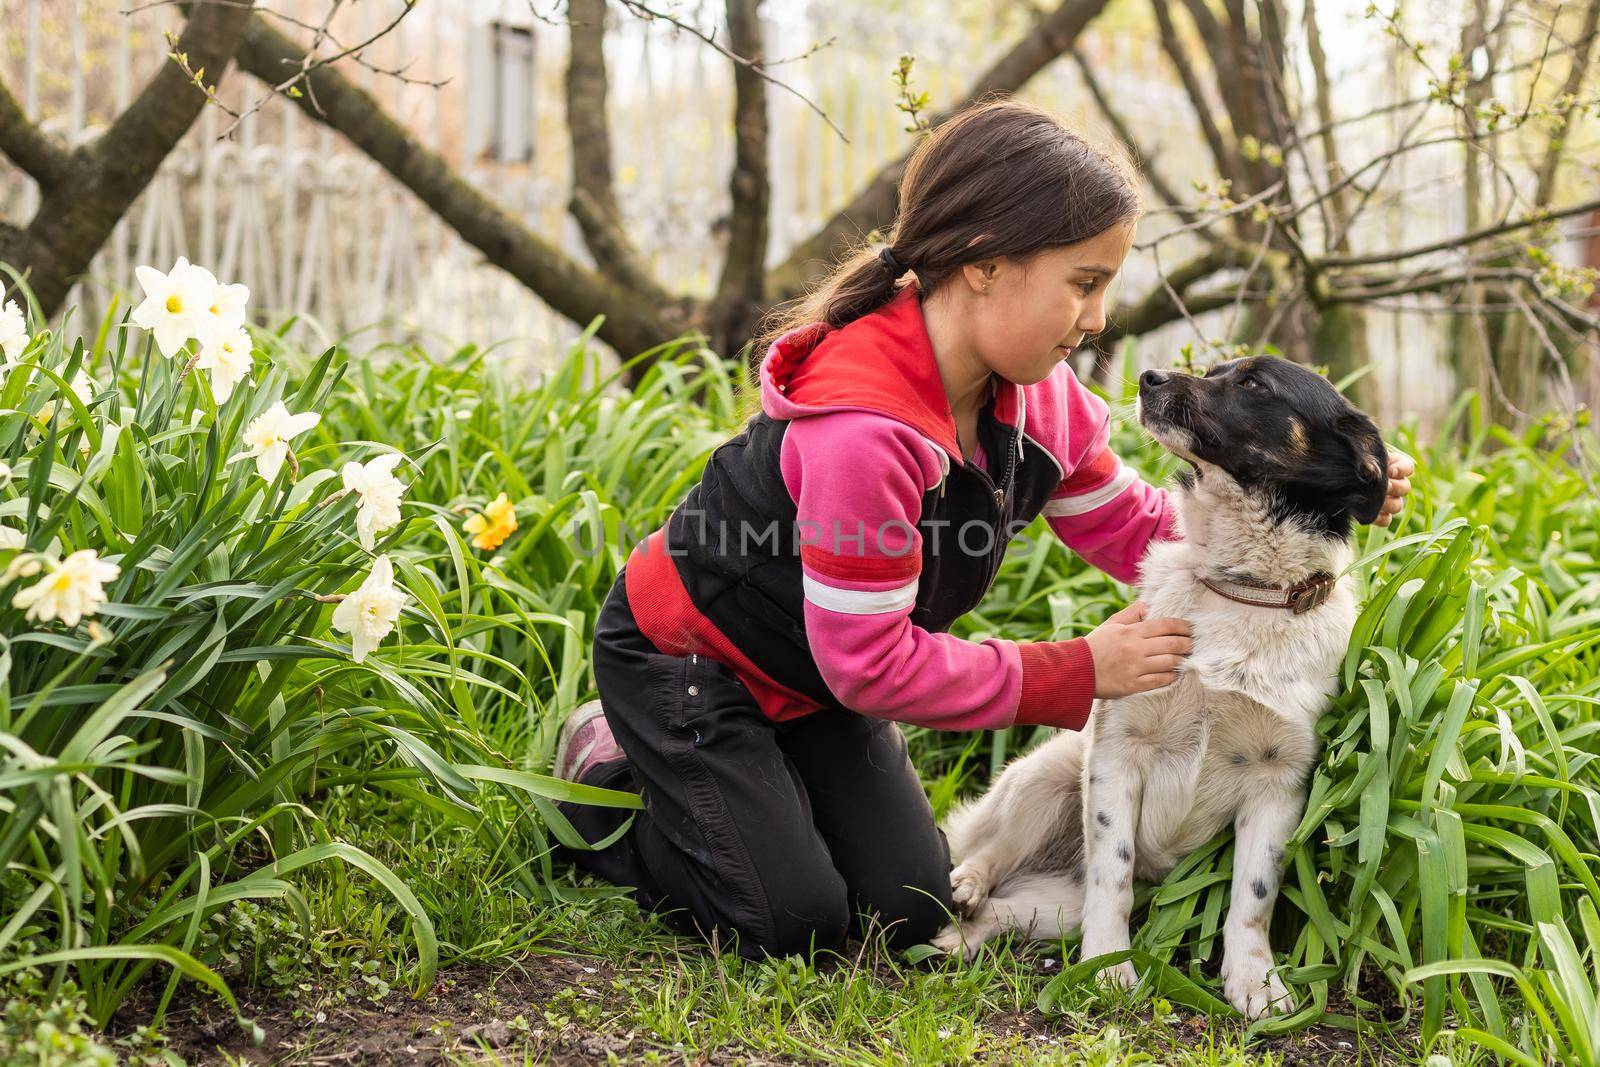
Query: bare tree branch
{"x": 1423, "y": 101}
{"x": 1350, "y": 323}
{"x": 1237, "y": 81}
{"x": 632, "y": 324}
{"x": 1342, "y": 215}
{"x": 1165, "y": 302}
{"x": 594, "y": 200}
{"x": 750, "y": 63}
{"x": 1432, "y": 281}
{"x": 82, "y": 204}
{"x": 43, "y": 157}
{"x": 587, "y": 90}
{"x": 874, "y": 206}
{"x": 1556, "y": 145}
{"x": 146, "y": 132}
{"x": 1269, "y": 55}
{"x": 1124, "y": 134}
{"x": 741, "y": 291}
{"x": 1463, "y": 240}
{"x": 320, "y": 32}
{"x": 1229, "y": 165}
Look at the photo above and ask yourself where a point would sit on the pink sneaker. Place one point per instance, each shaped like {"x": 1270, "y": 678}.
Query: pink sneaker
{"x": 585, "y": 743}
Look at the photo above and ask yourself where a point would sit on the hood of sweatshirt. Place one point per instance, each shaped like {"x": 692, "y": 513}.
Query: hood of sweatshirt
{"x": 882, "y": 362}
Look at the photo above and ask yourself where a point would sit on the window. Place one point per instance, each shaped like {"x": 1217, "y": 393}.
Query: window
{"x": 502, "y": 111}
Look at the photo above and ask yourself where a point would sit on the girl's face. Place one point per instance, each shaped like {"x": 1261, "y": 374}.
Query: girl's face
{"x": 1026, "y": 316}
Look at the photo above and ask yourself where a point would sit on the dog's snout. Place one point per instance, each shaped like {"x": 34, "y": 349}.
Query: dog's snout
{"x": 1152, "y": 378}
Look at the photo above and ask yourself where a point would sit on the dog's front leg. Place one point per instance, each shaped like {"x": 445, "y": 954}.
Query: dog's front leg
{"x": 1264, "y": 823}
{"x": 1112, "y": 787}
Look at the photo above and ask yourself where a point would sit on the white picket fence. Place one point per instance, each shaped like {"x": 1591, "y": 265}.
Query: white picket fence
{"x": 317, "y": 230}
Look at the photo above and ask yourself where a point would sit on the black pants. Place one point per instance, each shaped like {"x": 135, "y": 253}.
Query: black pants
{"x": 779, "y": 836}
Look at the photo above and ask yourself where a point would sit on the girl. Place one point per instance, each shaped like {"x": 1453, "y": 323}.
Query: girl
{"x": 754, "y": 652}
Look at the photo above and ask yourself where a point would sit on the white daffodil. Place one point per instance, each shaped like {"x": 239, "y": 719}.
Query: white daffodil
{"x": 225, "y": 305}
{"x": 177, "y": 305}
{"x": 227, "y": 309}
{"x": 10, "y": 538}
{"x": 228, "y": 358}
{"x": 268, "y": 438}
{"x": 369, "y": 613}
{"x": 70, "y": 589}
{"x": 82, "y": 385}
{"x": 13, "y": 334}
{"x": 380, "y": 491}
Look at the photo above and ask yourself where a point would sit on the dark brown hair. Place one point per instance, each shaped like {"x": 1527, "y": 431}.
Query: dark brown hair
{"x": 1001, "y": 178}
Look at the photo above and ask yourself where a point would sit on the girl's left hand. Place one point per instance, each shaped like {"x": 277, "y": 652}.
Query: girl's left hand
{"x": 1401, "y": 468}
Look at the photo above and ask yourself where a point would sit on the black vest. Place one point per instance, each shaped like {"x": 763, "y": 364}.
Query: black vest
{"x": 752, "y": 591}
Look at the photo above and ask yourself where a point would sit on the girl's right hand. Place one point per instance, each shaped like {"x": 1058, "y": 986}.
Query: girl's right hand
{"x": 1133, "y": 654}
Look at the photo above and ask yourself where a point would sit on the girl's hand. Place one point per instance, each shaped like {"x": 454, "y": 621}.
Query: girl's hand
{"x": 1401, "y": 468}
{"x": 1133, "y": 654}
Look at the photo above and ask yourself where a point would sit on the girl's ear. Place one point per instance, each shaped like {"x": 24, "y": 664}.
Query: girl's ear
{"x": 979, "y": 274}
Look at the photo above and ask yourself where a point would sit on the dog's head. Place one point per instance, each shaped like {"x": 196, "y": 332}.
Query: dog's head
{"x": 1278, "y": 430}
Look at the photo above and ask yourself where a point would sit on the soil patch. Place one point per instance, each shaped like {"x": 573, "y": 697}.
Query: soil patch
{"x": 472, "y": 1013}
{"x": 497, "y": 1014}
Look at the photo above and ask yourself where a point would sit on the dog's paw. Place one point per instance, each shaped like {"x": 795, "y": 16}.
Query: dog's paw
{"x": 960, "y": 939}
{"x": 1251, "y": 988}
{"x": 969, "y": 887}
{"x": 1096, "y": 943}
{"x": 1122, "y": 975}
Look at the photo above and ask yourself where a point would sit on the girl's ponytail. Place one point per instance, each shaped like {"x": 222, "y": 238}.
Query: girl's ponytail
{"x": 999, "y": 179}
{"x": 860, "y": 284}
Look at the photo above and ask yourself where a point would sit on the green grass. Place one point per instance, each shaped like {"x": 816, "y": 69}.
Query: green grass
{"x": 205, "y": 784}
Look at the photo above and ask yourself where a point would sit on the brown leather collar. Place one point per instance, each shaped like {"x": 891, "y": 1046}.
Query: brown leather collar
{"x": 1298, "y": 598}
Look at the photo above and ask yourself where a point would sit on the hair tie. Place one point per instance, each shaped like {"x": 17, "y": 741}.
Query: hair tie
{"x": 887, "y": 257}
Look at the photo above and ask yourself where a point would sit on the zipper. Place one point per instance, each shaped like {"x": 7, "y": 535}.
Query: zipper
{"x": 999, "y": 494}
{"x": 1011, "y": 463}
{"x": 998, "y": 489}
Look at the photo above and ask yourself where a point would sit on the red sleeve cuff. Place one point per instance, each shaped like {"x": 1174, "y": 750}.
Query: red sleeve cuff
{"x": 1057, "y": 683}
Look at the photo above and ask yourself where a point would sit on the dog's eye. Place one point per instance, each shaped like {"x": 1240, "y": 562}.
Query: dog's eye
{"x": 1247, "y": 382}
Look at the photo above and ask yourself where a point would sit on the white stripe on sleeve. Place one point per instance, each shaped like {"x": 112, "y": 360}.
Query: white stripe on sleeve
{"x": 1094, "y": 498}
{"x": 859, "y": 601}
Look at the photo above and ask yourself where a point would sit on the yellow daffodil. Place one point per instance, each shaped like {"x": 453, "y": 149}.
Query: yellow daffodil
{"x": 491, "y": 527}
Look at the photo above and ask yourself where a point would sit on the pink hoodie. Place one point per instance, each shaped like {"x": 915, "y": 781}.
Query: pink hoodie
{"x": 870, "y": 432}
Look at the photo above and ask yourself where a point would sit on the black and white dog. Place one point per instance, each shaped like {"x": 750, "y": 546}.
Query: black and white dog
{"x": 1280, "y": 467}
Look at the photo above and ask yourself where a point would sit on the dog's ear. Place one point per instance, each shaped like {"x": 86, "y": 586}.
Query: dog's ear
{"x": 1369, "y": 478}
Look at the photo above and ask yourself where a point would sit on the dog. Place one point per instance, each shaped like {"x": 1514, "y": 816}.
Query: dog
{"x": 1279, "y": 467}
